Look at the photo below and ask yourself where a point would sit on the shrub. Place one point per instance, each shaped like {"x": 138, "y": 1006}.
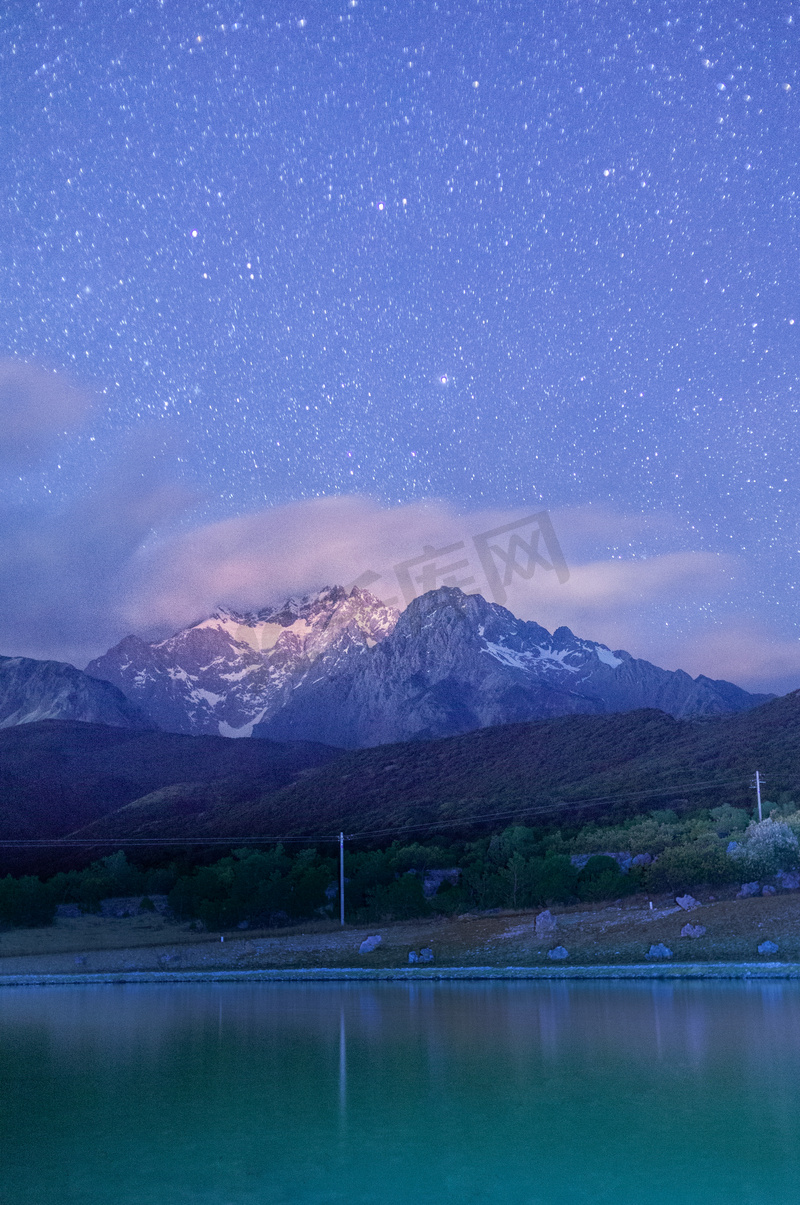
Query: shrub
{"x": 727, "y": 820}
{"x": 702, "y": 861}
{"x": 554, "y": 880}
{"x": 485, "y": 887}
{"x": 793, "y": 821}
{"x": 768, "y": 846}
{"x": 253, "y": 886}
{"x": 399, "y": 900}
{"x": 449, "y": 899}
{"x": 602, "y": 879}
{"x": 109, "y": 876}
{"x": 26, "y": 902}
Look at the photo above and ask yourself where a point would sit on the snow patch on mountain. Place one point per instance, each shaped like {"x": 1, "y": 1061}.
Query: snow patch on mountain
{"x": 456, "y": 662}
{"x": 230, "y": 671}
{"x": 607, "y": 657}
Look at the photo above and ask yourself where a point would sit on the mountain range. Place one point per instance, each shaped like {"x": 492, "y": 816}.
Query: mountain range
{"x": 109, "y": 788}
{"x": 344, "y": 669}
{"x": 455, "y": 662}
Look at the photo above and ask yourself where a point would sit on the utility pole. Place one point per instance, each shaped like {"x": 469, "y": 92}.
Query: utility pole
{"x": 341, "y": 872}
{"x": 757, "y": 785}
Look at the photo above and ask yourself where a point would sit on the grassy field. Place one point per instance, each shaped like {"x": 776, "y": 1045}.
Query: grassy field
{"x": 619, "y": 933}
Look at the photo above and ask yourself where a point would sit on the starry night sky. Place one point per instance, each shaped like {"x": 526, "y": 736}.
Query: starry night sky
{"x": 505, "y": 255}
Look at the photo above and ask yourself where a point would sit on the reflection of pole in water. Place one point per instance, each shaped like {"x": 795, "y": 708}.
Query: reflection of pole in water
{"x": 342, "y": 1067}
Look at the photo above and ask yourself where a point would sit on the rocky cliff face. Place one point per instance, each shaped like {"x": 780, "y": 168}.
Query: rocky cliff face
{"x": 455, "y": 662}
{"x": 51, "y": 690}
{"x": 231, "y": 671}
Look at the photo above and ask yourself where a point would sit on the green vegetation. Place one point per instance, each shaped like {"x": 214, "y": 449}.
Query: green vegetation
{"x": 108, "y": 788}
{"x": 520, "y": 867}
{"x": 28, "y": 902}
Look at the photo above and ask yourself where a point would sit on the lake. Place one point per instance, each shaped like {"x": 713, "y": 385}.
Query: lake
{"x": 535, "y": 1093}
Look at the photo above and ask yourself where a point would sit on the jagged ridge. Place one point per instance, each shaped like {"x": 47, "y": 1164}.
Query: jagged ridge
{"x": 228, "y": 672}
{"x": 344, "y": 669}
{"x": 456, "y": 662}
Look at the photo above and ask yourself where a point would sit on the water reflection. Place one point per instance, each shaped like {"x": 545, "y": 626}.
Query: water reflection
{"x": 576, "y": 1093}
{"x": 342, "y": 1066}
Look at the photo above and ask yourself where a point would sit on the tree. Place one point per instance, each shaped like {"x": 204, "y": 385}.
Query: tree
{"x": 768, "y": 846}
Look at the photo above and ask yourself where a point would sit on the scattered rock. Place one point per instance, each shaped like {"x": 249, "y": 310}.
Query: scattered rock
{"x": 117, "y": 907}
{"x": 558, "y": 953}
{"x": 789, "y": 880}
{"x": 426, "y": 954}
{"x": 748, "y": 889}
{"x": 769, "y": 890}
{"x": 768, "y": 947}
{"x": 369, "y": 944}
{"x": 642, "y": 860}
{"x": 659, "y": 951}
{"x": 623, "y": 860}
{"x": 413, "y": 956}
{"x": 433, "y": 879}
{"x": 731, "y": 846}
{"x": 545, "y": 923}
{"x": 693, "y": 930}
{"x": 687, "y": 902}
{"x": 131, "y": 905}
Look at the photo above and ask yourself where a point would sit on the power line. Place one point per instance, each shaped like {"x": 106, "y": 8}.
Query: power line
{"x": 547, "y": 808}
{"x": 309, "y": 839}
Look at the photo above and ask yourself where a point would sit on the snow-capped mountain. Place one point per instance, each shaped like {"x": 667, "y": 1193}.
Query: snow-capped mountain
{"x": 232, "y": 671}
{"x": 455, "y": 662}
{"x": 33, "y": 690}
{"x": 346, "y": 670}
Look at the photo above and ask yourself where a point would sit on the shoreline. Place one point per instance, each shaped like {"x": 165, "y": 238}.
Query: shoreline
{"x": 642, "y": 971}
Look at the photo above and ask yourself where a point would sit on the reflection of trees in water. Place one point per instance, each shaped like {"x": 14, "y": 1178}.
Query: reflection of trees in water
{"x": 191, "y": 1079}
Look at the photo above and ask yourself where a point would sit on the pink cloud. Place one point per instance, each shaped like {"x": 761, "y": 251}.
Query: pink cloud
{"x": 120, "y": 575}
{"x": 259, "y": 558}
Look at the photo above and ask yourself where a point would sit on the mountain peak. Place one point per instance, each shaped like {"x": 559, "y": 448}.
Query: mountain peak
{"x": 341, "y": 667}
{"x": 455, "y": 662}
{"x": 234, "y": 669}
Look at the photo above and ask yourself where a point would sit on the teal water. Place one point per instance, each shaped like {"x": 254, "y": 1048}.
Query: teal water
{"x": 542, "y": 1094}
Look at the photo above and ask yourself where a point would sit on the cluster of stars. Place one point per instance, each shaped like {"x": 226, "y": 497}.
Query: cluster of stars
{"x": 492, "y": 253}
